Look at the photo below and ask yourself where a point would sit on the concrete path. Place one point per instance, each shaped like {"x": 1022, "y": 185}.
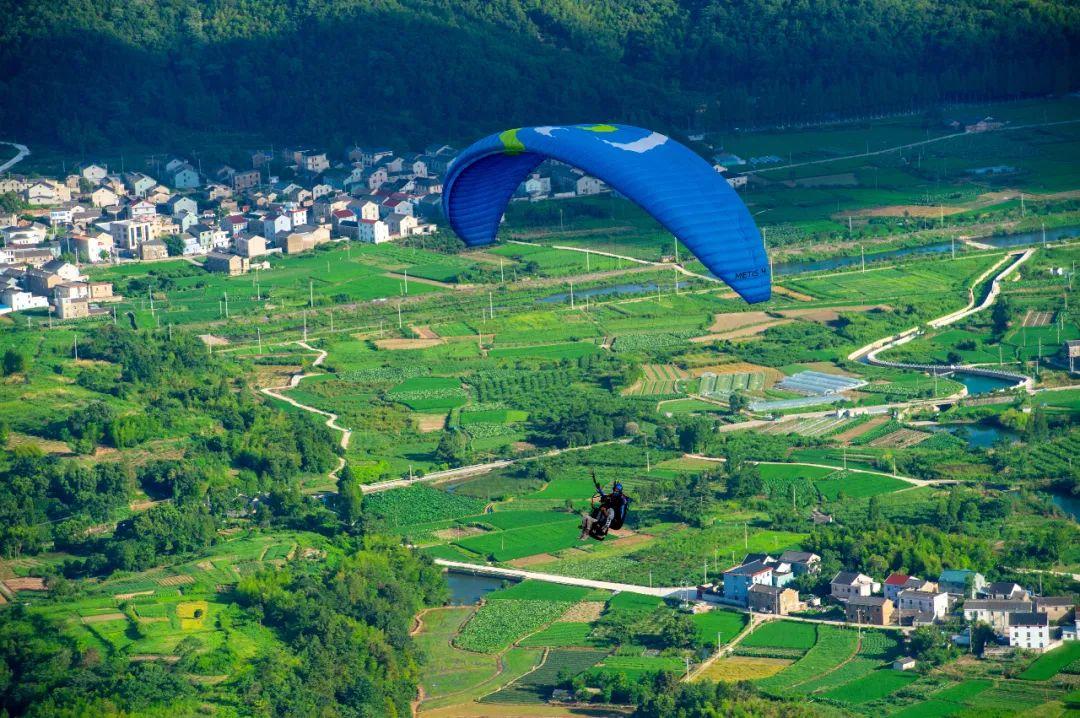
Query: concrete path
{"x": 20, "y": 155}
{"x": 500, "y": 572}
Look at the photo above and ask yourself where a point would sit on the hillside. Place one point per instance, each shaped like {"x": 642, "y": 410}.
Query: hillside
{"x": 413, "y": 71}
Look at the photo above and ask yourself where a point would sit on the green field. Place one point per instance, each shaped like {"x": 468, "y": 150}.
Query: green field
{"x": 718, "y": 626}
{"x": 515, "y": 543}
{"x": 562, "y": 634}
{"x": 782, "y": 634}
{"x": 1050, "y": 664}
{"x": 529, "y": 590}
{"x": 497, "y": 624}
{"x": 429, "y": 393}
{"x": 639, "y": 667}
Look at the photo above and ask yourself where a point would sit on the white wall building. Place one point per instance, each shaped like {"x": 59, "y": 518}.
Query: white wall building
{"x": 374, "y": 231}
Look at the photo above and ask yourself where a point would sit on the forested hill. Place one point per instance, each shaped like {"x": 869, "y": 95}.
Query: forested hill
{"x": 90, "y": 72}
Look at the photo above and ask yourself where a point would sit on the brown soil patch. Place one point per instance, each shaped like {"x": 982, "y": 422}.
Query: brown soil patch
{"x": 904, "y": 210}
{"x": 395, "y": 344}
{"x": 799, "y": 296}
{"x": 743, "y": 333}
{"x": 487, "y": 257}
{"x": 133, "y": 594}
{"x": 212, "y": 340}
{"x": 205, "y": 565}
{"x": 155, "y": 657}
{"x": 426, "y": 423}
{"x": 584, "y": 612}
{"x": 861, "y": 429}
{"x": 103, "y": 617}
{"x": 142, "y": 505}
{"x": 26, "y": 583}
{"x": 823, "y": 316}
{"x": 425, "y": 332}
{"x": 520, "y": 446}
{"x": 533, "y": 560}
{"x": 736, "y": 320}
{"x": 181, "y": 579}
{"x": 635, "y": 540}
{"x": 47, "y": 445}
{"x": 458, "y": 532}
{"x": 900, "y": 439}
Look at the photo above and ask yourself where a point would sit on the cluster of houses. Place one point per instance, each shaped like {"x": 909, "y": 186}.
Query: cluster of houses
{"x": 760, "y": 584}
{"x": 56, "y": 286}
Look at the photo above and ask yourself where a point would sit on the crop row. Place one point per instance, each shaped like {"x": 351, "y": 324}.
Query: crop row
{"x": 497, "y": 624}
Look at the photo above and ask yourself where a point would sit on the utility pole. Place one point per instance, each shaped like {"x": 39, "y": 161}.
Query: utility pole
{"x": 406, "y": 281}
{"x": 76, "y": 339}
{"x": 953, "y": 243}
{"x": 305, "y": 325}
{"x": 502, "y": 274}
{"x": 399, "y": 315}
{"x": 491, "y": 307}
{"x": 226, "y": 305}
{"x": 258, "y": 333}
{"x": 311, "y": 293}
{"x": 862, "y": 256}
{"x": 571, "y": 295}
{"x": 1021, "y": 204}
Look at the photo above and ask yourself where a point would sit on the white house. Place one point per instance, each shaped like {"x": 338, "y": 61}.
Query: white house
{"x": 994, "y": 613}
{"x": 94, "y": 173}
{"x": 103, "y": 197}
{"x": 185, "y": 177}
{"x": 142, "y": 211}
{"x": 587, "y": 185}
{"x": 365, "y": 209}
{"x": 374, "y": 231}
{"x": 846, "y": 584}
{"x": 275, "y": 224}
{"x": 138, "y": 183}
{"x": 914, "y": 602}
{"x": 129, "y": 234}
{"x": 180, "y": 204}
{"x": 401, "y": 225}
{"x": 15, "y": 236}
{"x": 19, "y": 300}
{"x": 1030, "y": 631}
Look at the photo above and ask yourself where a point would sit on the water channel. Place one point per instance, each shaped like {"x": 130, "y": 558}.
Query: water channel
{"x": 467, "y": 589}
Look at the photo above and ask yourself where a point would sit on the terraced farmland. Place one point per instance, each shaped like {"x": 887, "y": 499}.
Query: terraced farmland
{"x": 536, "y": 686}
{"x": 722, "y": 385}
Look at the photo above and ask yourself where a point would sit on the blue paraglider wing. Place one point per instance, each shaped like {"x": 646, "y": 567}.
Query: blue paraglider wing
{"x": 669, "y": 181}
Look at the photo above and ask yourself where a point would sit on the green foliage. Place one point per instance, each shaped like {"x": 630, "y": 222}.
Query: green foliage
{"x": 418, "y": 504}
{"x": 13, "y": 362}
{"x": 497, "y": 624}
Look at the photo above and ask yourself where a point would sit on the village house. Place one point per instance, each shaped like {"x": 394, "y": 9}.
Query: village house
{"x": 184, "y": 176}
{"x": 869, "y": 610}
{"x": 143, "y": 210}
{"x": 587, "y": 185}
{"x": 1055, "y": 607}
{"x": 153, "y": 249}
{"x": 45, "y": 192}
{"x": 1030, "y": 631}
{"x": 33, "y": 256}
{"x": 897, "y": 582}
{"x": 18, "y": 300}
{"x": 250, "y": 245}
{"x": 94, "y": 173}
{"x": 365, "y": 209}
{"x": 235, "y": 224}
{"x": 401, "y": 225}
{"x": 230, "y": 264}
{"x": 928, "y": 606}
{"x": 304, "y": 238}
{"x": 310, "y": 161}
{"x": 373, "y": 231}
{"x": 22, "y": 235}
{"x": 1005, "y": 591}
{"x": 246, "y": 180}
{"x": 776, "y": 600}
{"x": 93, "y": 247}
{"x": 848, "y": 584}
{"x": 994, "y": 613}
{"x": 961, "y": 583}
{"x": 72, "y": 308}
{"x": 276, "y": 223}
{"x": 103, "y": 197}
{"x": 139, "y": 184}
{"x": 128, "y": 234}
{"x": 802, "y": 562}
{"x": 216, "y": 192}
{"x": 1072, "y": 353}
{"x": 179, "y": 203}
{"x": 738, "y": 580}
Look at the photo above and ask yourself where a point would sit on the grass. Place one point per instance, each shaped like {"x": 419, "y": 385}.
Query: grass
{"x": 782, "y": 634}
{"x": 871, "y": 687}
{"x": 536, "y": 686}
{"x": 928, "y": 709}
{"x": 639, "y": 667}
{"x": 562, "y": 634}
{"x": 1050, "y": 663}
{"x": 497, "y": 624}
{"x": 833, "y": 646}
{"x": 963, "y": 691}
{"x": 429, "y": 393}
{"x": 449, "y": 669}
{"x": 718, "y": 625}
{"x": 419, "y": 504}
{"x": 516, "y": 543}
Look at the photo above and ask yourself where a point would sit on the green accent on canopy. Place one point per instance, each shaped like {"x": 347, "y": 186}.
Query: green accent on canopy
{"x": 511, "y": 144}
{"x": 600, "y": 128}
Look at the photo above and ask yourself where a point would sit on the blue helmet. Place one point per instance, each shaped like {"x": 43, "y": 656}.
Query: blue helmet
{"x": 618, "y": 486}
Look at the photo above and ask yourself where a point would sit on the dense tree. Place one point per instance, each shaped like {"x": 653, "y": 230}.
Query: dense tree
{"x": 14, "y": 362}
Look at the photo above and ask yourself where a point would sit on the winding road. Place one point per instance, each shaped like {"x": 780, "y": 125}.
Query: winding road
{"x": 22, "y": 152}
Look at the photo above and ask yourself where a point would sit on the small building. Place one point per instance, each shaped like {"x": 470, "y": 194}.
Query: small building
{"x": 1030, "y": 631}
{"x": 738, "y": 580}
{"x": 776, "y": 600}
{"x": 904, "y": 663}
{"x": 103, "y": 197}
{"x": 18, "y": 300}
{"x": 178, "y": 204}
{"x": 869, "y": 610}
{"x": 128, "y": 235}
{"x": 72, "y": 308}
{"x": 994, "y": 613}
{"x": 1072, "y": 353}
{"x": 801, "y": 561}
{"x": 231, "y": 264}
{"x": 373, "y": 231}
{"x": 848, "y": 584}
{"x": 1055, "y": 607}
{"x": 250, "y": 245}
{"x": 914, "y": 601}
{"x": 1005, "y": 591}
{"x": 961, "y": 582}
{"x": 246, "y": 180}
{"x": 153, "y": 249}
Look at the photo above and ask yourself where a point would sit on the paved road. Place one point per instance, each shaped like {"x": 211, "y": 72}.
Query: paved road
{"x": 23, "y": 151}
{"x": 500, "y": 572}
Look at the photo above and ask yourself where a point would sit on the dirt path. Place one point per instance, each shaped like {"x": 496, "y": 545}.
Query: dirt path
{"x": 20, "y": 155}
{"x": 331, "y": 418}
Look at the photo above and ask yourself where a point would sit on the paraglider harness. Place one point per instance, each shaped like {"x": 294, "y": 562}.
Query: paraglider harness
{"x": 600, "y": 503}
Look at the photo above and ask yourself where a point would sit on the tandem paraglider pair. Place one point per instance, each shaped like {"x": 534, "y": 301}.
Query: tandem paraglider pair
{"x": 608, "y": 511}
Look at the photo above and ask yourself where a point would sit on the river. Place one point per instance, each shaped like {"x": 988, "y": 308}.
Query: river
{"x": 1068, "y": 504}
{"x": 977, "y": 436}
{"x": 999, "y": 241}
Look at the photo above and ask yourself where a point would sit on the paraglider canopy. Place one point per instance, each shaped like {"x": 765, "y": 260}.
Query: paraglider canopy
{"x": 669, "y": 181}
